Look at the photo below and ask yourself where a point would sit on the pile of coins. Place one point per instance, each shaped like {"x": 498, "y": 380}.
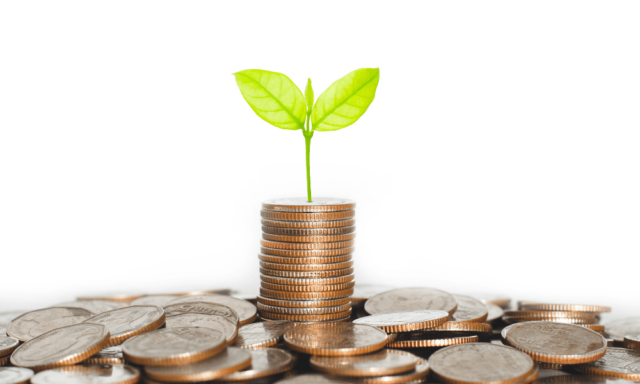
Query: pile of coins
{"x": 306, "y": 267}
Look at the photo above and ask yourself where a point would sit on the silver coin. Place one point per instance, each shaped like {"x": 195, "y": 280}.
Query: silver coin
{"x": 469, "y": 309}
{"x": 35, "y": 323}
{"x": 618, "y": 329}
{"x": 410, "y": 299}
{"x": 94, "y": 306}
{"x": 15, "y": 375}
{"x": 246, "y": 311}
{"x": 159, "y": 300}
{"x": 88, "y": 374}
{"x": 215, "y": 322}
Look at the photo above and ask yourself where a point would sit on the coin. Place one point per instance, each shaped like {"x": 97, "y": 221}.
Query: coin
{"x": 495, "y": 313}
{"x": 618, "y": 329}
{"x": 300, "y": 204}
{"x": 594, "y": 327}
{"x": 557, "y": 367}
{"x": 306, "y": 246}
{"x": 108, "y": 355}
{"x": 6, "y": 317}
{"x": 308, "y": 231}
{"x": 305, "y": 295}
{"x": 381, "y": 363}
{"x": 543, "y": 314}
{"x": 264, "y": 362}
{"x": 405, "y": 321}
{"x": 480, "y": 363}
{"x": 565, "y": 378}
{"x": 362, "y": 292}
{"x": 418, "y": 339}
{"x": 335, "y": 339}
{"x": 3, "y": 330}
{"x": 412, "y": 377}
{"x": 299, "y": 281}
{"x": 307, "y": 267}
{"x": 228, "y": 361}
{"x": 312, "y": 379}
{"x": 309, "y": 318}
{"x": 307, "y": 253}
{"x": 308, "y": 288}
{"x": 159, "y": 300}
{"x": 35, "y": 323}
{"x": 410, "y": 299}
{"x": 215, "y": 322}
{"x": 309, "y": 224}
{"x": 617, "y": 362}
{"x": 469, "y": 310}
{"x": 307, "y": 216}
{"x": 89, "y": 374}
{"x": 530, "y": 306}
{"x": 564, "y": 320}
{"x": 463, "y": 326}
{"x": 305, "y": 260}
{"x": 306, "y": 275}
{"x": 15, "y": 375}
{"x": 630, "y": 341}
{"x": 205, "y": 308}
{"x": 304, "y": 303}
{"x": 63, "y": 346}
{"x": 555, "y": 342}
{"x": 8, "y": 345}
{"x": 262, "y": 335}
{"x": 333, "y": 239}
{"x": 94, "y": 306}
{"x": 500, "y": 301}
{"x": 127, "y": 322}
{"x": 304, "y": 311}
{"x": 246, "y": 311}
{"x": 4, "y": 360}
{"x": 121, "y": 297}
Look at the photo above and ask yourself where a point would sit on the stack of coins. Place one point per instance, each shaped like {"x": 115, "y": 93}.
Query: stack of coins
{"x": 306, "y": 270}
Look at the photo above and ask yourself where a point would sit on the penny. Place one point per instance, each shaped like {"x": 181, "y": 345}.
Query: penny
{"x": 308, "y": 288}
{"x": 307, "y": 267}
{"x": 413, "y": 377}
{"x": 304, "y": 281}
{"x": 555, "y": 342}
{"x": 308, "y": 253}
{"x": 35, "y": 323}
{"x": 304, "y": 303}
{"x": 8, "y": 345}
{"x": 300, "y": 204}
{"x": 305, "y": 295}
{"x": 618, "y": 329}
{"x": 405, "y": 321}
{"x": 94, "y": 306}
{"x": 204, "y": 308}
{"x": 495, "y": 313}
{"x": 469, "y": 310}
{"x": 463, "y": 326}
{"x": 264, "y": 362}
{"x": 262, "y": 335}
{"x": 621, "y": 363}
{"x": 120, "y": 298}
{"x": 228, "y": 361}
{"x": 630, "y": 341}
{"x": 159, "y": 300}
{"x": 306, "y": 275}
{"x": 335, "y": 339}
{"x": 381, "y": 363}
{"x": 174, "y": 346}
{"x": 308, "y": 231}
{"x": 127, "y": 322}
{"x": 564, "y": 320}
{"x": 63, "y": 346}
{"x": 307, "y": 216}
{"x": 309, "y": 224}
{"x": 421, "y": 340}
{"x": 567, "y": 314}
{"x": 15, "y": 375}
{"x": 304, "y": 260}
{"x": 89, "y": 374}
{"x": 309, "y": 239}
{"x": 530, "y": 306}
{"x": 304, "y": 311}
{"x": 312, "y": 379}
{"x": 219, "y": 323}
{"x": 246, "y": 311}
{"x": 480, "y": 363}
{"x": 309, "y": 318}
{"x": 108, "y": 355}
{"x": 410, "y": 299}
{"x": 306, "y": 246}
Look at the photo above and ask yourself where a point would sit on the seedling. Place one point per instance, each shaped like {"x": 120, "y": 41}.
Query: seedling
{"x": 278, "y": 101}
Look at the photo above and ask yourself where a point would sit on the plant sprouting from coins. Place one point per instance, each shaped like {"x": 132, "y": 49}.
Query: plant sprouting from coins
{"x": 278, "y": 101}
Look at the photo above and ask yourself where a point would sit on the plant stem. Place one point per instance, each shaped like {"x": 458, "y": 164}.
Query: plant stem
{"x": 307, "y": 141}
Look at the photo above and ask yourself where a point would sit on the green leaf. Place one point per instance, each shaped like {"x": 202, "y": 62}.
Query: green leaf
{"x": 346, "y": 100}
{"x": 308, "y": 96}
{"x": 273, "y": 97}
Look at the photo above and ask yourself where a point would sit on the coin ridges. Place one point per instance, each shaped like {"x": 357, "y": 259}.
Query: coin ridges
{"x": 307, "y": 216}
{"x": 306, "y": 246}
{"x": 405, "y": 321}
{"x": 305, "y": 254}
{"x": 302, "y": 281}
{"x": 308, "y": 231}
{"x": 463, "y": 326}
{"x": 309, "y": 239}
{"x": 309, "y": 224}
{"x": 335, "y": 339}
{"x": 319, "y": 204}
{"x": 304, "y": 310}
{"x": 306, "y": 275}
{"x": 632, "y": 341}
{"x": 529, "y": 306}
{"x": 307, "y": 267}
{"x": 433, "y": 342}
{"x": 304, "y": 260}
{"x": 304, "y": 303}
{"x": 308, "y": 288}
{"x": 325, "y": 317}
{"x": 305, "y": 295}
{"x": 564, "y": 320}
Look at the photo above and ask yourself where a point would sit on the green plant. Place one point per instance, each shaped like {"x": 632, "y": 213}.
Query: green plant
{"x": 278, "y": 101}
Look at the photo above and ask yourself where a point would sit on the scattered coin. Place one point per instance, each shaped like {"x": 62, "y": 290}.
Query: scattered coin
{"x": 413, "y": 377}
{"x": 108, "y": 355}
{"x": 219, "y": 323}
{"x": 262, "y": 335}
{"x": 307, "y": 267}
{"x": 304, "y": 303}
{"x": 463, "y": 326}
{"x": 94, "y": 306}
{"x": 617, "y": 362}
{"x": 159, "y": 300}
{"x": 126, "y": 298}
{"x": 306, "y": 274}
{"x": 63, "y": 346}
{"x": 555, "y": 342}
{"x": 495, "y": 313}
{"x": 8, "y": 345}
{"x": 308, "y": 231}
{"x": 264, "y": 362}
{"x": 305, "y": 295}
{"x": 4, "y": 360}
{"x": 226, "y": 362}
{"x": 319, "y": 204}
{"x": 381, "y": 363}
{"x": 205, "y": 308}
{"x": 420, "y": 339}
{"x": 308, "y": 224}
{"x": 35, "y": 323}
{"x": 312, "y": 379}
{"x": 247, "y": 312}
{"x": 335, "y": 339}
{"x": 530, "y": 306}
{"x": 15, "y": 375}
{"x": 630, "y": 341}
{"x": 127, "y": 322}
{"x": 306, "y": 281}
{"x": 405, "y": 321}
{"x": 618, "y": 329}
{"x": 469, "y": 310}
{"x": 480, "y": 363}
{"x": 89, "y": 374}
{"x": 410, "y": 299}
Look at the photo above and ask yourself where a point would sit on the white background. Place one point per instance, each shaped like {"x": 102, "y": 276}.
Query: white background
{"x": 500, "y": 155}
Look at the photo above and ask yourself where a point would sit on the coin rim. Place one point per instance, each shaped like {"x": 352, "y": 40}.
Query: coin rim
{"x": 338, "y": 351}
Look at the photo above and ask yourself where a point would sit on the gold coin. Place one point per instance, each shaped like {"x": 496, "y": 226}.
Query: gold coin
{"x": 108, "y": 355}
{"x": 226, "y": 362}
{"x": 555, "y": 367}
{"x": 469, "y": 310}
{"x": 410, "y": 299}
{"x": 305, "y": 295}
{"x": 309, "y": 239}
{"x": 307, "y": 216}
{"x": 463, "y": 326}
{"x": 15, "y": 375}
{"x": 495, "y": 313}
{"x": 405, "y": 321}
{"x": 335, "y": 339}
{"x": 9, "y": 344}
{"x": 309, "y": 224}
{"x": 318, "y": 253}
{"x": 299, "y": 281}
{"x": 308, "y": 288}
{"x": 264, "y": 362}
{"x": 307, "y": 267}
{"x": 306, "y": 275}
{"x": 632, "y": 341}
{"x": 620, "y": 363}
{"x": 311, "y": 318}
{"x": 120, "y": 298}
{"x": 306, "y": 246}
{"x": 262, "y": 335}
{"x": 304, "y": 311}
{"x": 304, "y": 303}
{"x": 565, "y": 320}
{"x": 304, "y": 260}
{"x": 567, "y": 314}
{"x": 35, "y": 323}
{"x": 404, "y": 342}
{"x": 381, "y": 363}
{"x": 124, "y": 323}
{"x": 413, "y": 377}
{"x": 300, "y": 204}
{"x": 112, "y": 374}
{"x": 308, "y": 231}
{"x": 530, "y": 306}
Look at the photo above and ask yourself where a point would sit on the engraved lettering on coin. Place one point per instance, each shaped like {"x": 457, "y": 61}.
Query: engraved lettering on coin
{"x": 335, "y": 339}
{"x": 617, "y": 362}
{"x": 126, "y": 322}
{"x": 385, "y": 362}
{"x": 469, "y": 309}
{"x": 15, "y": 375}
{"x": 264, "y": 362}
{"x": 618, "y": 329}
{"x": 89, "y": 374}
{"x": 405, "y": 321}
{"x": 159, "y": 300}
{"x": 36, "y": 323}
{"x": 246, "y": 311}
{"x": 8, "y": 345}
{"x": 218, "y": 323}
{"x": 203, "y": 308}
{"x": 410, "y": 299}
{"x": 94, "y": 306}
{"x": 262, "y": 335}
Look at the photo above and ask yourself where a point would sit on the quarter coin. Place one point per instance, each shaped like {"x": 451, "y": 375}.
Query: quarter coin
{"x": 413, "y": 377}
{"x": 159, "y": 300}
{"x": 216, "y": 322}
{"x": 335, "y": 339}
{"x": 108, "y": 355}
{"x": 381, "y": 363}
{"x": 264, "y": 362}
{"x": 262, "y": 335}
{"x": 300, "y": 204}
{"x": 89, "y": 374}
{"x": 15, "y": 375}
{"x": 620, "y": 363}
{"x": 35, "y": 323}
{"x": 247, "y": 312}
{"x": 127, "y": 322}
{"x": 94, "y": 306}
{"x": 469, "y": 310}
{"x": 405, "y": 321}
{"x": 8, "y": 345}
{"x": 410, "y": 299}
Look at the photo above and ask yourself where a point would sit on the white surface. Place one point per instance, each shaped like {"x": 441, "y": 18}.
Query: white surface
{"x": 501, "y": 153}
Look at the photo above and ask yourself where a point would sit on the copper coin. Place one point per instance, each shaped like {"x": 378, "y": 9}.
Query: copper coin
{"x": 304, "y": 303}
{"x": 335, "y": 339}
{"x": 108, "y": 355}
{"x": 410, "y": 299}
{"x": 464, "y": 326}
{"x": 556, "y": 367}
{"x": 413, "y": 377}
{"x": 204, "y": 308}
{"x": 555, "y": 342}
{"x": 264, "y": 362}
{"x": 307, "y": 216}
{"x": 567, "y": 314}
{"x": 469, "y": 310}
{"x": 405, "y": 321}
{"x": 632, "y": 341}
{"x": 304, "y": 311}
{"x": 480, "y": 363}
{"x": 304, "y": 281}
{"x": 308, "y": 231}
{"x": 8, "y": 345}
{"x": 418, "y": 339}
{"x": 94, "y": 306}
{"x": 308, "y": 253}
{"x": 306, "y": 246}
{"x": 307, "y": 267}
{"x": 306, "y": 275}
{"x": 159, "y": 300}
{"x": 246, "y": 311}
{"x": 308, "y": 224}
{"x": 495, "y": 313}
{"x": 4, "y": 360}
{"x": 594, "y": 327}
{"x": 307, "y": 318}
{"x": 531, "y": 306}
{"x": 15, "y": 375}
{"x": 63, "y": 346}
{"x": 621, "y": 363}
{"x": 35, "y": 323}
{"x": 120, "y": 297}
{"x": 218, "y": 323}
{"x": 564, "y": 320}
{"x": 381, "y": 363}
{"x": 89, "y": 374}
{"x": 228, "y": 361}
{"x": 308, "y": 288}
{"x": 309, "y": 239}
{"x": 127, "y": 322}
{"x": 305, "y": 295}
{"x": 618, "y": 329}
{"x": 300, "y": 204}
{"x": 304, "y": 260}
{"x": 312, "y": 379}
{"x": 262, "y": 335}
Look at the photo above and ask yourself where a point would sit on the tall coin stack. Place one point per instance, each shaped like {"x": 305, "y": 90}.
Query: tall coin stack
{"x": 306, "y": 270}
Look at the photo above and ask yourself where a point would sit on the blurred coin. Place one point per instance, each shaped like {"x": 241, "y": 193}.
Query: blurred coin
{"x": 561, "y": 377}
{"x": 108, "y": 355}
{"x": 228, "y": 361}
{"x": 15, "y": 375}
{"x": 300, "y": 204}
{"x": 304, "y": 311}
{"x": 335, "y": 339}
{"x": 262, "y": 335}
{"x": 307, "y": 216}
{"x": 8, "y": 345}
{"x": 3, "y": 330}
{"x": 308, "y": 288}
{"x": 555, "y": 342}
{"x": 463, "y": 326}
{"x": 306, "y": 246}
{"x": 469, "y": 310}
{"x": 500, "y": 301}
{"x": 421, "y": 339}
{"x": 530, "y": 306}
{"x": 410, "y": 299}
{"x": 381, "y": 363}
{"x": 63, "y": 346}
{"x": 567, "y": 314}
{"x": 127, "y": 322}
{"x": 205, "y": 308}
{"x": 542, "y": 365}
{"x": 246, "y": 311}
{"x": 308, "y": 224}
{"x": 618, "y": 329}
{"x": 495, "y": 313}
{"x": 362, "y": 292}
{"x": 306, "y": 281}
{"x": 6, "y": 317}
{"x": 309, "y": 239}
{"x": 630, "y": 341}
{"x": 621, "y": 363}
{"x": 594, "y": 327}
{"x": 94, "y": 306}
{"x": 304, "y": 303}
{"x": 309, "y": 253}
{"x": 264, "y": 362}
{"x": 413, "y": 377}
{"x": 305, "y": 260}
{"x": 4, "y": 360}
{"x": 89, "y": 374}
{"x": 125, "y": 298}
{"x": 215, "y": 322}
{"x": 308, "y": 231}
{"x": 312, "y": 379}
{"x": 306, "y": 275}
{"x": 307, "y": 267}
{"x": 305, "y": 295}
{"x": 405, "y": 321}
{"x": 564, "y": 320}
{"x": 35, "y": 323}
{"x": 313, "y": 318}
{"x": 159, "y": 300}
{"x": 220, "y": 291}
{"x": 480, "y": 363}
